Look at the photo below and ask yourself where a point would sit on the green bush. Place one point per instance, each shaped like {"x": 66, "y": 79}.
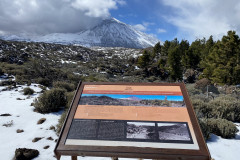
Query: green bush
{"x": 50, "y": 101}
{"x": 8, "y": 83}
{"x": 65, "y": 85}
{"x": 20, "y": 80}
{"x": 202, "y": 109}
{"x": 28, "y": 91}
{"x": 225, "y": 109}
{"x": 192, "y": 90}
{"x": 44, "y": 81}
{"x": 69, "y": 96}
{"x": 61, "y": 121}
{"x": 222, "y": 127}
{"x": 204, "y": 127}
{"x": 1, "y": 72}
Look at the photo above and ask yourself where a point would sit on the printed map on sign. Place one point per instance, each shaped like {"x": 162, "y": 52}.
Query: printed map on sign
{"x": 128, "y": 115}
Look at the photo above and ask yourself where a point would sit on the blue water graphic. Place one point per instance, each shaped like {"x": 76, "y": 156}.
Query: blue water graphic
{"x": 143, "y": 97}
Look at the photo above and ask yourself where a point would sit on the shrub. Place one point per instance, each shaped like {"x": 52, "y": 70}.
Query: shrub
{"x": 8, "y": 83}
{"x": 189, "y": 76}
{"x": 65, "y": 85}
{"x": 222, "y": 127}
{"x": 69, "y": 96}
{"x": 1, "y": 72}
{"x": 204, "y": 127}
{"x": 192, "y": 90}
{"x": 225, "y": 108}
{"x": 44, "y": 81}
{"x": 28, "y": 91}
{"x": 61, "y": 121}
{"x": 202, "y": 84}
{"x": 21, "y": 80}
{"x": 50, "y": 101}
{"x": 202, "y": 109}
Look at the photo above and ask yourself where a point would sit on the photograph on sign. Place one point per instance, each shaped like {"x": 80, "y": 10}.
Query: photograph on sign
{"x": 129, "y": 115}
{"x": 173, "y": 131}
{"x": 141, "y": 130}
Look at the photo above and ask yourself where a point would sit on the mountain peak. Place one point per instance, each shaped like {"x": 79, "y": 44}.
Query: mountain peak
{"x": 108, "y": 33}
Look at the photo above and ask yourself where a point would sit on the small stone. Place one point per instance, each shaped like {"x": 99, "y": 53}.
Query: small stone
{"x": 42, "y": 120}
{"x": 20, "y": 99}
{"x": 37, "y": 139}
{"x": 46, "y": 147}
{"x": 52, "y": 128}
{"x": 50, "y": 138}
{"x": 20, "y": 130}
{"x": 56, "y": 140}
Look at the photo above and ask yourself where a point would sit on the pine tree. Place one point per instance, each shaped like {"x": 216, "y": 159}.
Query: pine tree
{"x": 174, "y": 63}
{"x": 223, "y": 64}
{"x": 191, "y": 58}
{"x": 157, "y": 50}
{"x": 165, "y": 48}
{"x": 184, "y": 46}
{"x": 144, "y": 60}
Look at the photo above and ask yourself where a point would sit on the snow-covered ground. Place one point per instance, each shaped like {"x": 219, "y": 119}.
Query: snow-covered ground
{"x": 225, "y": 149}
{"x": 23, "y": 117}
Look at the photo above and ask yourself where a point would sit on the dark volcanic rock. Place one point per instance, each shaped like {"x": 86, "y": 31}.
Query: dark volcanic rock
{"x": 5, "y": 114}
{"x": 42, "y": 120}
{"x": 20, "y": 130}
{"x": 25, "y": 154}
{"x": 46, "y": 147}
{"x": 37, "y": 139}
{"x": 50, "y": 138}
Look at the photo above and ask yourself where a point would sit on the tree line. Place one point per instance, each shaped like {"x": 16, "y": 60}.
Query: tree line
{"x": 218, "y": 61}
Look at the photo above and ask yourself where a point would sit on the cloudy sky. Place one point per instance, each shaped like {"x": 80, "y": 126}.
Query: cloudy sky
{"x": 166, "y": 19}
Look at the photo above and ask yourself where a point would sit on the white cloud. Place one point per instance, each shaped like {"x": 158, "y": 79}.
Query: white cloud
{"x": 121, "y": 2}
{"x": 160, "y": 30}
{"x": 140, "y": 27}
{"x": 144, "y": 26}
{"x": 49, "y": 16}
{"x": 148, "y": 24}
{"x": 202, "y": 18}
{"x": 96, "y": 8}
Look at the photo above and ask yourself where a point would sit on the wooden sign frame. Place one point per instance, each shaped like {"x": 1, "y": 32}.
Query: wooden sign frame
{"x": 201, "y": 153}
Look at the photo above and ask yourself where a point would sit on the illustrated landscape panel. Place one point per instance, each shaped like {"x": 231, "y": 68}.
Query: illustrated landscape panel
{"x": 133, "y": 100}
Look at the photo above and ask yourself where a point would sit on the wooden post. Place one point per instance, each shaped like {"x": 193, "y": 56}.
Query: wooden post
{"x": 114, "y": 158}
{"x": 58, "y": 157}
{"x": 74, "y": 157}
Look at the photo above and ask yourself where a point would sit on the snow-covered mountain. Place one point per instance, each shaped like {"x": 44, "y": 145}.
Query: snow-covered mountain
{"x": 109, "y": 33}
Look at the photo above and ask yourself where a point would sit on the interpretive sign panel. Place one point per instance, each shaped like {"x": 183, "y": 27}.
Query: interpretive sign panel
{"x": 140, "y": 120}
